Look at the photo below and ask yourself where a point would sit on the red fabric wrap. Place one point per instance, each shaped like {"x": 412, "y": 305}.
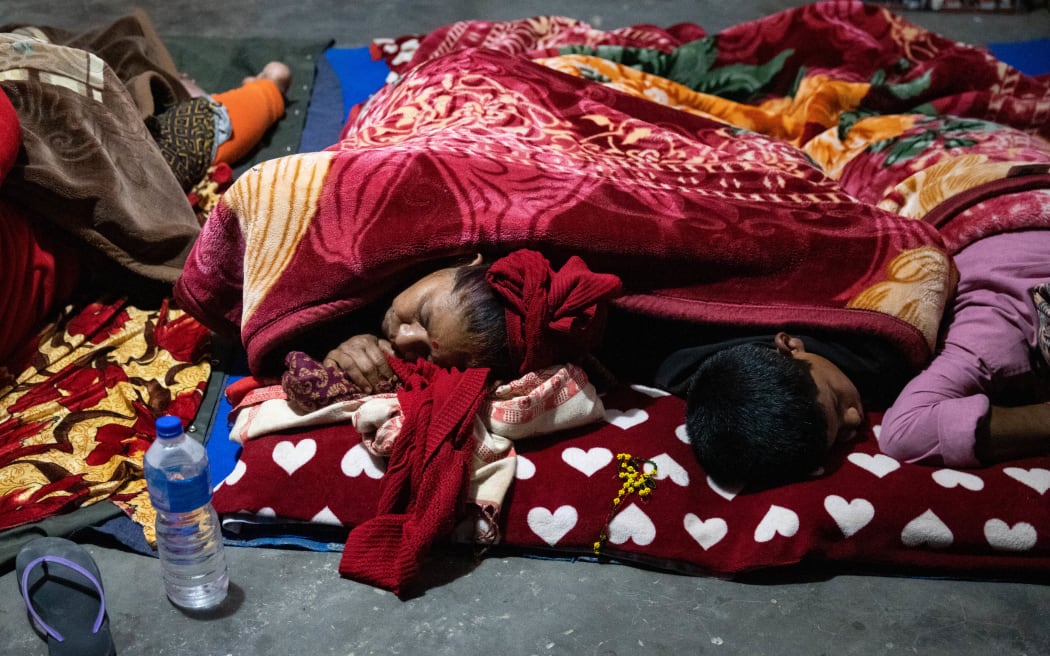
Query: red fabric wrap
{"x": 552, "y": 316}
{"x": 10, "y": 135}
{"x": 38, "y": 270}
{"x": 426, "y": 478}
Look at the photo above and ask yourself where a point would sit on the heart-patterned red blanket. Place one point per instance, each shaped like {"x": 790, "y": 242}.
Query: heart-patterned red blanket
{"x": 863, "y": 508}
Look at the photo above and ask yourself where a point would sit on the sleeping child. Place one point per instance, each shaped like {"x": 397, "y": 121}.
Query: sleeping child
{"x": 983, "y": 398}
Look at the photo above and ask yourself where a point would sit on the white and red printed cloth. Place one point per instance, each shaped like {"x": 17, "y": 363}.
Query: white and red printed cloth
{"x": 539, "y": 403}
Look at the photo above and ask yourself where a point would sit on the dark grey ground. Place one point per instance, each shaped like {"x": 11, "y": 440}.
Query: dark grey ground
{"x": 353, "y": 23}
{"x": 294, "y": 603}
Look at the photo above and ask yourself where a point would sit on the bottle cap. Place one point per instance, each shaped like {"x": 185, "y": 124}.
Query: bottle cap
{"x": 169, "y": 426}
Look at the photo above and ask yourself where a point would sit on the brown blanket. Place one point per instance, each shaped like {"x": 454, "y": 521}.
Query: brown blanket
{"x": 89, "y": 164}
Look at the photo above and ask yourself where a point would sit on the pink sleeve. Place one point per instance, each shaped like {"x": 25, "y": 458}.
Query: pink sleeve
{"x": 937, "y": 415}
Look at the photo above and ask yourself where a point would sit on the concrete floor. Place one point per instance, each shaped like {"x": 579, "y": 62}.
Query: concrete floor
{"x": 354, "y": 24}
{"x": 288, "y": 602}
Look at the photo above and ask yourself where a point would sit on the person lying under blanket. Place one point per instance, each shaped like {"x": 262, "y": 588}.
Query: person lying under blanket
{"x": 115, "y": 97}
{"x": 513, "y": 316}
{"x": 497, "y": 315}
{"x": 515, "y": 327}
{"x": 764, "y": 409}
{"x": 765, "y": 414}
{"x": 194, "y": 130}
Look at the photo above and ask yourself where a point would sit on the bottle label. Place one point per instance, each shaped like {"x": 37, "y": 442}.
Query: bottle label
{"x": 178, "y": 495}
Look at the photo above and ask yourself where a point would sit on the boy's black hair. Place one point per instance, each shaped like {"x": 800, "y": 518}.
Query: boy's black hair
{"x": 752, "y": 417}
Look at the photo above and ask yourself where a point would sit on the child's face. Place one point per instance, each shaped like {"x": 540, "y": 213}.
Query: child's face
{"x": 426, "y": 322}
{"x": 837, "y": 396}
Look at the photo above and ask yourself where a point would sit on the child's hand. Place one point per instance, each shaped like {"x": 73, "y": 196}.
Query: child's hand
{"x": 363, "y": 358}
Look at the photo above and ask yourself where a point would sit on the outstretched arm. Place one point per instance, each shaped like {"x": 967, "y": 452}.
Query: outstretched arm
{"x": 941, "y": 415}
{"x": 1019, "y": 432}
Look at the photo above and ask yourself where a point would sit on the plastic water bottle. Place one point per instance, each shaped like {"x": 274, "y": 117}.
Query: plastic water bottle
{"x": 189, "y": 539}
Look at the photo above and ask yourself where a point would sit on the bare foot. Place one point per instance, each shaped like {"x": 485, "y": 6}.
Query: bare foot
{"x": 276, "y": 72}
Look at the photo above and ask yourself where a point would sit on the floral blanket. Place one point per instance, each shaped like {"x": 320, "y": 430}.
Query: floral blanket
{"x": 479, "y": 147}
{"x": 902, "y": 118}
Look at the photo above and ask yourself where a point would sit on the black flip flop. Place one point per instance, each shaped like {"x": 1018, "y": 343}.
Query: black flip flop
{"x": 62, "y": 588}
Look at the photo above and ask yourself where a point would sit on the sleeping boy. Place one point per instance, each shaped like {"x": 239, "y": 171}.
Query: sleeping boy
{"x": 764, "y": 412}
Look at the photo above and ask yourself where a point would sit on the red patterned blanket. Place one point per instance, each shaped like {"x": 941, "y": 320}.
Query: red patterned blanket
{"x": 78, "y": 403}
{"x": 475, "y": 150}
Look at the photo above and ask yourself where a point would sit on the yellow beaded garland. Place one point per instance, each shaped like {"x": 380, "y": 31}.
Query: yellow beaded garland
{"x": 635, "y": 481}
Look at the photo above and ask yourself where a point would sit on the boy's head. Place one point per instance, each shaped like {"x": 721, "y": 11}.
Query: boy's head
{"x": 765, "y": 416}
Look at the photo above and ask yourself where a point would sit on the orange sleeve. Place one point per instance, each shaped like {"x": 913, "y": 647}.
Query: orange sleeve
{"x": 253, "y": 108}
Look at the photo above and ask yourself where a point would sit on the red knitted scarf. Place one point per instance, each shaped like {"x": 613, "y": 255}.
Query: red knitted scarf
{"x": 426, "y": 478}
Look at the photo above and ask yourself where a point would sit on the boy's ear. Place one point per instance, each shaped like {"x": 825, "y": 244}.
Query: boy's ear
{"x": 787, "y": 344}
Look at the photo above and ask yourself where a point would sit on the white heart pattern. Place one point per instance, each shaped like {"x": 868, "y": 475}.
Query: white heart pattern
{"x": 949, "y": 478}
{"x": 524, "y": 469}
{"x": 879, "y": 464}
{"x": 706, "y": 533}
{"x": 681, "y": 434}
{"x": 727, "y": 493}
{"x": 778, "y": 520}
{"x": 359, "y": 461}
{"x": 552, "y": 527}
{"x": 588, "y": 461}
{"x": 326, "y": 516}
{"x": 290, "y": 457}
{"x": 851, "y": 516}
{"x": 633, "y": 524}
{"x": 668, "y": 467}
{"x": 238, "y": 471}
{"x": 927, "y": 529}
{"x": 628, "y": 419}
{"x": 1000, "y": 535}
{"x": 1036, "y": 478}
